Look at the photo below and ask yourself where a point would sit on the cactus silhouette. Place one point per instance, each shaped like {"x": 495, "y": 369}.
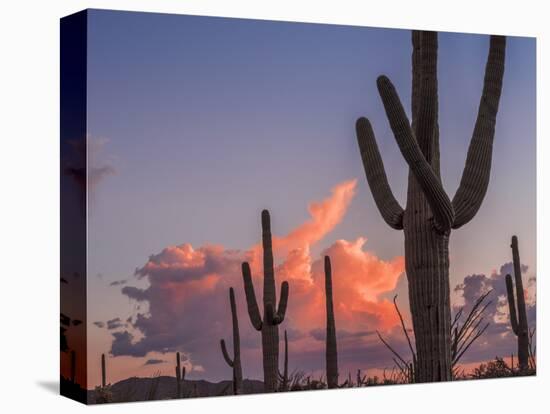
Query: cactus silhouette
{"x": 430, "y": 215}
{"x": 180, "y": 376}
{"x": 73, "y": 367}
{"x": 103, "y": 372}
{"x": 269, "y": 325}
{"x": 284, "y": 376}
{"x": 518, "y": 317}
{"x": 234, "y": 363}
{"x": 331, "y": 349}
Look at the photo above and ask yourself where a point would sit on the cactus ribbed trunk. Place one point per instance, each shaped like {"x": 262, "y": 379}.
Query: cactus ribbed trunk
{"x": 518, "y": 318}
{"x": 427, "y": 268}
{"x": 269, "y": 325}
{"x": 234, "y": 363}
{"x": 331, "y": 348}
{"x": 429, "y": 215}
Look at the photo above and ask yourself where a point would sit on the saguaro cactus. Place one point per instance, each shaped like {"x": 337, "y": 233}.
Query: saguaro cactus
{"x": 180, "y": 376}
{"x": 331, "y": 349}
{"x": 269, "y": 325}
{"x": 234, "y": 363}
{"x": 103, "y": 372}
{"x": 519, "y": 325}
{"x": 430, "y": 215}
{"x": 73, "y": 367}
{"x": 284, "y": 376}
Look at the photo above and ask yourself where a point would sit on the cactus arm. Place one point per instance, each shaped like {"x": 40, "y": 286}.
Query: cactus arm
{"x": 276, "y": 318}
{"x": 285, "y": 369}
{"x": 439, "y": 202}
{"x": 253, "y": 311}
{"x": 235, "y": 323}
{"x": 225, "y": 354}
{"x": 512, "y": 304}
{"x": 391, "y": 211}
{"x": 475, "y": 178}
{"x": 279, "y": 317}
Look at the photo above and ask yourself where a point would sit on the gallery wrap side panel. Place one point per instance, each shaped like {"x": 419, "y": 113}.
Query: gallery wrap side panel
{"x": 73, "y": 204}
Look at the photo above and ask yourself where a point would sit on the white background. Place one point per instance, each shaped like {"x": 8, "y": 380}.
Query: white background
{"x": 29, "y": 201}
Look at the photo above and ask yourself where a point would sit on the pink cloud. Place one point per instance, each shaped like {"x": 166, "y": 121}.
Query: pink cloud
{"x": 187, "y": 292}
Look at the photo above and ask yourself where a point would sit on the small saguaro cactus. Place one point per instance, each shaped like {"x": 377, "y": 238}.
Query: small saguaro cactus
{"x": 103, "y": 372}
{"x": 518, "y": 318}
{"x": 180, "y": 376}
{"x": 331, "y": 348}
{"x": 73, "y": 367}
{"x": 234, "y": 363}
{"x": 269, "y": 325}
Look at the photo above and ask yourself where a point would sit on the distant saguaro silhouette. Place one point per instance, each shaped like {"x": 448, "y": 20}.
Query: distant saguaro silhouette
{"x": 518, "y": 319}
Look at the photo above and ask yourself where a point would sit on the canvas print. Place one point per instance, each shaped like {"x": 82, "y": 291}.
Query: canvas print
{"x": 255, "y": 206}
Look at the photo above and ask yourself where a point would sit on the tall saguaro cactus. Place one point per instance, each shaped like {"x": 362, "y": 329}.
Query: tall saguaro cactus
{"x": 234, "y": 363}
{"x": 331, "y": 349}
{"x": 269, "y": 325}
{"x": 429, "y": 215}
{"x": 519, "y": 324}
{"x": 180, "y": 376}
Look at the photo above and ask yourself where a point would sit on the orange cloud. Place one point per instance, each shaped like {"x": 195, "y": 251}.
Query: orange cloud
{"x": 325, "y": 216}
{"x": 187, "y": 292}
{"x": 359, "y": 277}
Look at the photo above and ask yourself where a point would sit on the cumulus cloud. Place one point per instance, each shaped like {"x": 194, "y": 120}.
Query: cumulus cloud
{"x": 187, "y": 306}
{"x": 99, "y": 324}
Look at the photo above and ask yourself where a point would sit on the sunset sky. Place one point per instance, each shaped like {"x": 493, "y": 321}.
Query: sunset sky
{"x": 196, "y": 124}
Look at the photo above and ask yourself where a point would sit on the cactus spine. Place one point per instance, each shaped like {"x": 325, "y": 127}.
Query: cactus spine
{"x": 234, "y": 363}
{"x": 180, "y": 376}
{"x": 519, "y": 325}
{"x": 430, "y": 215}
{"x": 331, "y": 348}
{"x": 103, "y": 372}
{"x": 269, "y": 325}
